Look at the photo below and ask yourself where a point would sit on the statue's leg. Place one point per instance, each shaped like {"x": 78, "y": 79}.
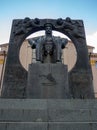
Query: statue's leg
{"x": 37, "y": 53}
{"x": 58, "y": 49}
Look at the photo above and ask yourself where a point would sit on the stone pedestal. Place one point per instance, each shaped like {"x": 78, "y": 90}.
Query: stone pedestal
{"x": 48, "y": 81}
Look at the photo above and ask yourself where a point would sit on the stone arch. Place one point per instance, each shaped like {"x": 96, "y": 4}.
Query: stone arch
{"x": 74, "y": 29}
{"x": 66, "y": 50}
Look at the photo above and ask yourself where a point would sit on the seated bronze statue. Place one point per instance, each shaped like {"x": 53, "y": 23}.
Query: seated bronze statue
{"x": 48, "y": 47}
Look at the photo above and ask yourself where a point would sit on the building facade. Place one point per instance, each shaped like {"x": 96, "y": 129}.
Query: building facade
{"x": 69, "y": 57}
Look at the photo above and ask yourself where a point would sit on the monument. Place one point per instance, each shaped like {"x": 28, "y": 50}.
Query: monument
{"x": 48, "y": 97}
{"x": 48, "y": 50}
{"x": 52, "y": 77}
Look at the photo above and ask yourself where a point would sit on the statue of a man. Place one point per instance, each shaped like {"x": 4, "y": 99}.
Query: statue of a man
{"x": 48, "y": 47}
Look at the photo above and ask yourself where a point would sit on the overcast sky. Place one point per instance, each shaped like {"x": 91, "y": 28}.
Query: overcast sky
{"x": 75, "y": 9}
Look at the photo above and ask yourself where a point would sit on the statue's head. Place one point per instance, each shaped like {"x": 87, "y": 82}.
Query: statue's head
{"x": 48, "y": 28}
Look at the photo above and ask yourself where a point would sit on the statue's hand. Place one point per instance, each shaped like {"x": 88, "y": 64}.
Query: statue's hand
{"x": 32, "y": 43}
{"x": 64, "y": 42}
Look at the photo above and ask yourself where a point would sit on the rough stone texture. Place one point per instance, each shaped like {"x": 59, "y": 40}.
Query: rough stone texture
{"x": 23, "y": 126}
{"x": 47, "y": 126}
{"x": 70, "y": 126}
{"x": 15, "y": 77}
{"x": 42, "y": 114}
{"x": 48, "y": 81}
{"x": 82, "y": 81}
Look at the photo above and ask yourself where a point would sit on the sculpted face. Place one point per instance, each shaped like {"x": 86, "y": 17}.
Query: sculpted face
{"x": 48, "y": 29}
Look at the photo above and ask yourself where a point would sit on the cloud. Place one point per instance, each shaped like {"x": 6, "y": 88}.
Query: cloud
{"x": 92, "y": 40}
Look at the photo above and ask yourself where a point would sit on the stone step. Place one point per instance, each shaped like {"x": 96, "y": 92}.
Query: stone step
{"x": 48, "y": 114}
{"x": 47, "y": 126}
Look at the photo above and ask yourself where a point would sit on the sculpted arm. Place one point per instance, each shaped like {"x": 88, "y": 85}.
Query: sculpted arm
{"x": 64, "y": 42}
{"x": 32, "y": 43}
